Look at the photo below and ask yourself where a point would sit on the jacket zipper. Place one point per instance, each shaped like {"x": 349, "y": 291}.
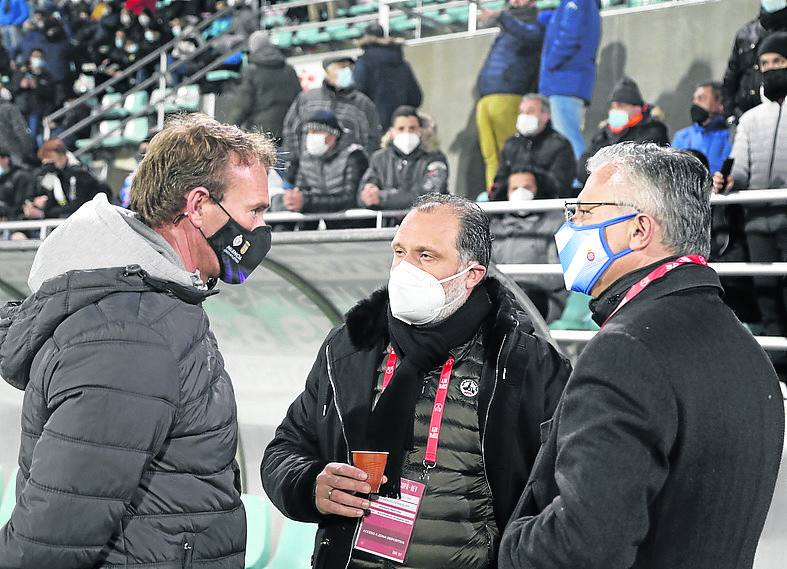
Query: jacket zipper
{"x": 773, "y": 146}
{"x": 188, "y": 552}
{"x": 488, "y": 409}
{"x": 344, "y": 434}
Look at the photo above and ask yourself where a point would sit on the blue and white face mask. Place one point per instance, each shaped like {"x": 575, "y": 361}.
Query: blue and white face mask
{"x": 585, "y": 254}
{"x": 772, "y": 6}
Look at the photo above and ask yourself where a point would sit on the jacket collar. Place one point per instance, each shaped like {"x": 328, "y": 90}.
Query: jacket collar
{"x": 367, "y": 324}
{"x": 682, "y": 278}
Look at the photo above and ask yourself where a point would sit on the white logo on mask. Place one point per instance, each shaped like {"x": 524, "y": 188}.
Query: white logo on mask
{"x": 237, "y": 241}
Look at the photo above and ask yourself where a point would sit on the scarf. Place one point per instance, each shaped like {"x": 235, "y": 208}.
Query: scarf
{"x": 420, "y": 350}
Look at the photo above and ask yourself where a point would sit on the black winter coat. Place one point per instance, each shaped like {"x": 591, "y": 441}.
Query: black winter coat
{"x": 79, "y": 187}
{"x": 547, "y": 155}
{"x": 520, "y": 384}
{"x": 129, "y": 428}
{"x": 649, "y": 130}
{"x": 664, "y": 450}
{"x": 15, "y": 187}
{"x": 267, "y": 89}
{"x": 383, "y": 75}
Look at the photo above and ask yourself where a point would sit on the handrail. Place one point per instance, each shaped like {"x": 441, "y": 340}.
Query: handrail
{"x": 769, "y": 343}
{"x": 150, "y": 81}
{"x": 193, "y": 33}
{"x": 494, "y": 208}
{"x": 514, "y": 270}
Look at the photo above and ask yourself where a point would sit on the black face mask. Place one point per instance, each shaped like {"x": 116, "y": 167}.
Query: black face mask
{"x": 774, "y": 84}
{"x": 774, "y": 21}
{"x": 238, "y": 250}
{"x": 698, "y": 114}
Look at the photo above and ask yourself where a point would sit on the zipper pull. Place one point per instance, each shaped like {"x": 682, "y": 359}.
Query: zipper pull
{"x": 187, "y": 546}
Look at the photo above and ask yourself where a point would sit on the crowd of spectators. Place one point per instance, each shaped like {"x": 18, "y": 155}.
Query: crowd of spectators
{"x": 361, "y": 140}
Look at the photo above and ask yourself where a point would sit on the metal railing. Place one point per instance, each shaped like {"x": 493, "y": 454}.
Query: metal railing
{"x": 101, "y": 89}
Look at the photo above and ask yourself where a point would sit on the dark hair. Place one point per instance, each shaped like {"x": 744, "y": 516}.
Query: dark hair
{"x": 715, "y": 88}
{"x": 474, "y": 241}
{"x": 406, "y": 111}
{"x": 699, "y": 156}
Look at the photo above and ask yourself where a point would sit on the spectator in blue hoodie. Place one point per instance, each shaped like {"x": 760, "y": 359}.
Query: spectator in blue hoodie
{"x": 509, "y": 72}
{"x": 13, "y": 14}
{"x": 708, "y": 132}
{"x": 568, "y": 66}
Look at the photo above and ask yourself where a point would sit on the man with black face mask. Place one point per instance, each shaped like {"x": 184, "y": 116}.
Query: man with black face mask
{"x": 128, "y": 455}
{"x": 760, "y": 153}
{"x": 741, "y": 90}
{"x": 708, "y": 132}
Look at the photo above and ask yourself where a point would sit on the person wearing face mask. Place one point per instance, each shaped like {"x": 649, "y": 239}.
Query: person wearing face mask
{"x": 441, "y": 329}
{"x": 509, "y": 72}
{"x": 629, "y": 120}
{"x": 760, "y": 153}
{"x": 135, "y": 433}
{"x": 354, "y": 110}
{"x": 536, "y": 148}
{"x": 33, "y": 90}
{"x": 15, "y": 187}
{"x": 528, "y": 237}
{"x": 708, "y": 132}
{"x": 669, "y": 403}
{"x": 743, "y": 76}
{"x": 406, "y": 167}
{"x": 330, "y": 171}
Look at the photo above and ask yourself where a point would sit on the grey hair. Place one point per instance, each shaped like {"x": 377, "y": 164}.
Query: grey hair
{"x": 670, "y": 185}
{"x": 474, "y": 241}
{"x": 545, "y": 107}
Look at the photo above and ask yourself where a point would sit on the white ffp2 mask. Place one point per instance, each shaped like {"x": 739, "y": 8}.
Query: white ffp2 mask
{"x": 416, "y": 297}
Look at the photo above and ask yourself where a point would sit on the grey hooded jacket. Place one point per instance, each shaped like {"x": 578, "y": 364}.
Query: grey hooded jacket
{"x": 129, "y": 424}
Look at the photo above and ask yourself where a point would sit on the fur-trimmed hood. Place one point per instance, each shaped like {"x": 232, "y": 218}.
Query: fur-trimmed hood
{"x": 367, "y": 324}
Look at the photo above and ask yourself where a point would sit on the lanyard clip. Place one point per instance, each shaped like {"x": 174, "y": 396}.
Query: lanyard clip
{"x": 427, "y": 467}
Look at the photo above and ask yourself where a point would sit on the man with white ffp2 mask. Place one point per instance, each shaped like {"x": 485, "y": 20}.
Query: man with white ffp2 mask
{"x": 444, "y": 350}
{"x": 408, "y": 165}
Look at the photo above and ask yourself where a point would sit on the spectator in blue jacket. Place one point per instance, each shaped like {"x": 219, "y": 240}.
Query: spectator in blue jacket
{"x": 708, "y": 132}
{"x": 383, "y": 75}
{"x": 568, "y": 66}
{"x": 509, "y": 72}
{"x": 13, "y": 14}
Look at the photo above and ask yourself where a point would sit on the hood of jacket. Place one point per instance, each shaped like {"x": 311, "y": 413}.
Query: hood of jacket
{"x": 267, "y": 56}
{"x": 367, "y": 321}
{"x": 99, "y": 235}
{"x": 384, "y": 53}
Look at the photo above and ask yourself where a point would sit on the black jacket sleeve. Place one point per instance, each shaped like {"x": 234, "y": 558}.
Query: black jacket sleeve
{"x": 87, "y": 188}
{"x": 292, "y": 460}
{"x": 345, "y": 197}
{"x": 608, "y": 458}
{"x": 556, "y": 180}
{"x": 102, "y": 433}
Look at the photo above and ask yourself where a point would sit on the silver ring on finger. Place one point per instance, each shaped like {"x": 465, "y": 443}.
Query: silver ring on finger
{"x": 330, "y": 491}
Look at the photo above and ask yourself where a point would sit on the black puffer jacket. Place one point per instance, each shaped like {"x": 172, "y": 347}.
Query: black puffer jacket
{"x": 547, "y": 155}
{"x": 648, "y": 130}
{"x": 522, "y": 378}
{"x": 742, "y": 79}
{"x": 129, "y": 428}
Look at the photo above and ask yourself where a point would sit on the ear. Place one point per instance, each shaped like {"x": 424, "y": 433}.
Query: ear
{"x": 196, "y": 200}
{"x": 643, "y": 231}
{"x": 475, "y": 275}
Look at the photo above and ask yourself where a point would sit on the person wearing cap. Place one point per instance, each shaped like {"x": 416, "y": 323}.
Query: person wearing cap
{"x": 268, "y": 87}
{"x": 330, "y": 170}
{"x": 62, "y": 184}
{"x": 354, "y": 110}
{"x": 664, "y": 450}
{"x": 407, "y": 166}
{"x": 536, "y": 148}
{"x": 742, "y": 78}
{"x": 629, "y": 120}
{"x": 382, "y": 74}
{"x": 760, "y": 154}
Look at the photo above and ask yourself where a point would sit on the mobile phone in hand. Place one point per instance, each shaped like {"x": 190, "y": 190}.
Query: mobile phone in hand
{"x": 726, "y": 167}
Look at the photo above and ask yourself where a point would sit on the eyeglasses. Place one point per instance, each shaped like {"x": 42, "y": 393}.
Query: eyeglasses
{"x": 570, "y": 209}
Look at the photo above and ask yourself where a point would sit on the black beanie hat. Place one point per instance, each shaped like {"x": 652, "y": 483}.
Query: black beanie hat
{"x": 774, "y": 43}
{"x": 626, "y": 91}
{"x": 324, "y": 121}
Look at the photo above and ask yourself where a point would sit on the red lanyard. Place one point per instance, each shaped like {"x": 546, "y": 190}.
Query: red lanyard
{"x": 436, "y": 423}
{"x": 655, "y": 275}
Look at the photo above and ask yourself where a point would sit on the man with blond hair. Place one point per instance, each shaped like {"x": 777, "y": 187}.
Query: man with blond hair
{"x": 129, "y": 421}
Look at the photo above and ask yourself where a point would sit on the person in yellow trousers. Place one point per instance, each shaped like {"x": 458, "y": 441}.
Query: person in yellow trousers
{"x": 510, "y": 71}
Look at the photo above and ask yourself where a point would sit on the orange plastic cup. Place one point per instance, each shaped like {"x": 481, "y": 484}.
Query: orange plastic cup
{"x": 373, "y": 464}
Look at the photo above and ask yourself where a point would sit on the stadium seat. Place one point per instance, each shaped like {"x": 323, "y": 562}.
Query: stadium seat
{"x": 576, "y": 314}
{"x": 8, "y": 499}
{"x": 187, "y": 98}
{"x": 136, "y": 130}
{"x": 458, "y": 14}
{"x": 113, "y": 101}
{"x": 295, "y": 546}
{"x": 157, "y": 95}
{"x": 258, "y": 532}
{"x": 402, "y": 24}
{"x": 343, "y": 32}
{"x": 361, "y": 9}
{"x": 283, "y": 40}
{"x": 136, "y": 102}
{"x": 269, "y": 22}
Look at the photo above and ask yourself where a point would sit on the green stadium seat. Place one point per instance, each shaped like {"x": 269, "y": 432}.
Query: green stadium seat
{"x": 343, "y": 32}
{"x": 169, "y": 104}
{"x": 136, "y": 130}
{"x": 8, "y": 498}
{"x": 110, "y": 100}
{"x": 458, "y": 14}
{"x": 282, "y": 39}
{"x": 295, "y": 546}
{"x": 402, "y": 24}
{"x": 114, "y": 133}
{"x": 549, "y": 4}
{"x": 361, "y": 9}
{"x": 258, "y": 531}
{"x": 218, "y": 75}
{"x": 576, "y": 314}
{"x": 269, "y": 22}
{"x": 136, "y": 102}
{"x": 187, "y": 98}
{"x": 341, "y": 13}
